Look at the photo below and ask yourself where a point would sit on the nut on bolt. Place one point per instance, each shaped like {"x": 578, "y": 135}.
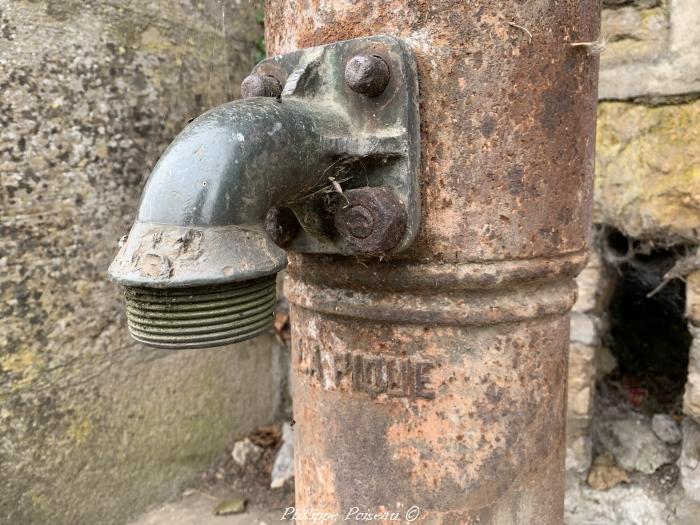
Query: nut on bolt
{"x": 281, "y": 225}
{"x": 367, "y": 74}
{"x": 260, "y": 86}
{"x": 372, "y": 221}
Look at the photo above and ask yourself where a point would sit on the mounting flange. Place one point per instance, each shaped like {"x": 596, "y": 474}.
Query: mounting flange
{"x": 372, "y": 82}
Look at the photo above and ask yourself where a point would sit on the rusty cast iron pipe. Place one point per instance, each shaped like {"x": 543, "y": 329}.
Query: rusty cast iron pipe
{"x": 436, "y": 379}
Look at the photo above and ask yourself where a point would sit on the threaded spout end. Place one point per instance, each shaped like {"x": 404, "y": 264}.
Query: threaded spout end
{"x": 202, "y": 316}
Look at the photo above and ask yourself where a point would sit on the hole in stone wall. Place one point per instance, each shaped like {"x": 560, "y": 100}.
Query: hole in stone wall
{"x": 648, "y": 334}
{"x": 616, "y": 244}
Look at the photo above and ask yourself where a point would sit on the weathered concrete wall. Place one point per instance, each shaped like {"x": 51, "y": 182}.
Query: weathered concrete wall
{"x": 94, "y": 427}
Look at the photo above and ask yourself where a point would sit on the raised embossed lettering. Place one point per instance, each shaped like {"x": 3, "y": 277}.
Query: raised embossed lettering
{"x": 371, "y": 373}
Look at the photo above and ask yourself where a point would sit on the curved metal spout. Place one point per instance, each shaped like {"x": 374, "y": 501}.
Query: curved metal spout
{"x": 200, "y": 262}
{"x": 198, "y": 266}
{"x": 235, "y": 161}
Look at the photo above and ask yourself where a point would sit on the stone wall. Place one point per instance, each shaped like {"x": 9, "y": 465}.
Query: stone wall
{"x": 94, "y": 427}
{"x": 690, "y": 458}
{"x": 648, "y": 194}
{"x": 587, "y": 324}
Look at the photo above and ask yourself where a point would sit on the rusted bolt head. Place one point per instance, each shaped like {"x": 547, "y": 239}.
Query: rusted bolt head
{"x": 260, "y": 86}
{"x": 372, "y": 221}
{"x": 359, "y": 222}
{"x": 367, "y": 74}
{"x": 281, "y": 225}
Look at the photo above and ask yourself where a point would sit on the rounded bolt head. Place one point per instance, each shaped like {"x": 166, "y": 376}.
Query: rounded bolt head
{"x": 359, "y": 222}
{"x": 372, "y": 221}
{"x": 367, "y": 74}
{"x": 260, "y": 86}
{"x": 281, "y": 225}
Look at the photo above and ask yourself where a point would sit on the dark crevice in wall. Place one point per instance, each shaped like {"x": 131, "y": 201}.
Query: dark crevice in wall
{"x": 640, "y": 4}
{"x": 668, "y": 100}
{"x": 648, "y": 334}
{"x": 659, "y": 100}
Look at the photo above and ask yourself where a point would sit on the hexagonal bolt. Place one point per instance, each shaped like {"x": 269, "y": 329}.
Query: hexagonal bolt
{"x": 359, "y": 222}
{"x": 367, "y": 74}
{"x": 372, "y": 221}
{"x": 260, "y": 86}
{"x": 281, "y": 225}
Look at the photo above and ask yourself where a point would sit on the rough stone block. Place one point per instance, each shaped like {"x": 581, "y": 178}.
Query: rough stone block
{"x": 692, "y": 298}
{"x": 634, "y": 34}
{"x": 689, "y": 461}
{"x": 584, "y": 329}
{"x": 578, "y": 444}
{"x": 623, "y": 504}
{"x": 687, "y": 512}
{"x": 581, "y": 382}
{"x": 651, "y": 51}
{"x": 691, "y": 397}
{"x": 633, "y": 444}
{"x": 591, "y": 286}
{"x": 648, "y": 170}
{"x": 666, "y": 429}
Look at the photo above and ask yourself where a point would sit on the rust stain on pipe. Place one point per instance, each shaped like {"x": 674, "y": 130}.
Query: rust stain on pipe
{"x": 437, "y": 378}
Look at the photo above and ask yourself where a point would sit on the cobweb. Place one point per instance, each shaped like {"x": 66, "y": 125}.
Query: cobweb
{"x": 227, "y": 53}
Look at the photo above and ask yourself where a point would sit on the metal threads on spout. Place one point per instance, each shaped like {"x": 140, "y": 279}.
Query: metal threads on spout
{"x": 200, "y": 317}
